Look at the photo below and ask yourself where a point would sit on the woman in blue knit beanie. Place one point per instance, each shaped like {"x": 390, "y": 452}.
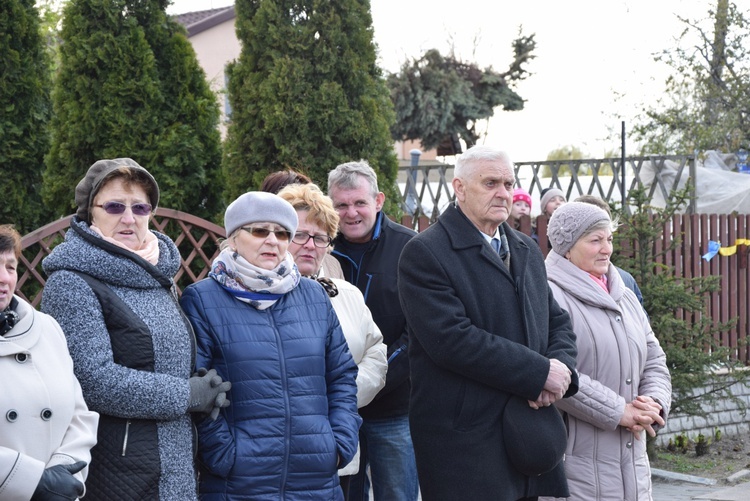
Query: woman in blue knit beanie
{"x": 293, "y": 417}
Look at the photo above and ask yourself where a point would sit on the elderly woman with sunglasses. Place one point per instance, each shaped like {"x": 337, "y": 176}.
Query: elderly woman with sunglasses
{"x": 110, "y": 288}
{"x": 318, "y": 225}
{"x": 293, "y": 419}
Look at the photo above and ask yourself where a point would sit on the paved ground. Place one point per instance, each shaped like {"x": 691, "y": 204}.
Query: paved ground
{"x": 669, "y": 486}
{"x": 683, "y": 492}
{"x": 674, "y": 487}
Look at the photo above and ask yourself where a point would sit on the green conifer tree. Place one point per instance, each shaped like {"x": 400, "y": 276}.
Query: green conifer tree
{"x": 130, "y": 86}
{"x": 306, "y": 94}
{"x": 24, "y": 113}
{"x": 190, "y": 143}
{"x": 696, "y": 360}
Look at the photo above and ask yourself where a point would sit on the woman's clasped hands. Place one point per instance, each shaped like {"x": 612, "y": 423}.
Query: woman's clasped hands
{"x": 643, "y": 413}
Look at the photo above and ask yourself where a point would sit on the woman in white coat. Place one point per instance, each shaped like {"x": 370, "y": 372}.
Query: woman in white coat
{"x": 318, "y": 225}
{"x": 624, "y": 384}
{"x": 46, "y": 429}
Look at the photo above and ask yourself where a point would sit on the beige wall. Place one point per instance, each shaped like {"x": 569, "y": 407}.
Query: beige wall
{"x": 404, "y": 147}
{"x": 215, "y": 48}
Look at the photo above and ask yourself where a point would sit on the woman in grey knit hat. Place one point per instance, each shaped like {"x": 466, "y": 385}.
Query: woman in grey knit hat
{"x": 293, "y": 420}
{"x": 110, "y": 288}
{"x": 624, "y": 387}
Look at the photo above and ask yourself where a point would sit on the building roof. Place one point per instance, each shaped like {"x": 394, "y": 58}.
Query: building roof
{"x": 196, "y": 22}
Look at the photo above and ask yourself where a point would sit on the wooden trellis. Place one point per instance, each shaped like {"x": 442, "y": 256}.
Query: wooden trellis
{"x": 196, "y": 238}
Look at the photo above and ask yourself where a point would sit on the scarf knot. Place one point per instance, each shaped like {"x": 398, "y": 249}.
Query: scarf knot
{"x": 256, "y": 286}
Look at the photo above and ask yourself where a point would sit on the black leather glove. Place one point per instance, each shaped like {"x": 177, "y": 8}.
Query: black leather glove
{"x": 208, "y": 392}
{"x": 59, "y": 484}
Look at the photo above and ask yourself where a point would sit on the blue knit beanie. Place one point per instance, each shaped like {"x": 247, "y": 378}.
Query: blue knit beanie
{"x": 259, "y": 207}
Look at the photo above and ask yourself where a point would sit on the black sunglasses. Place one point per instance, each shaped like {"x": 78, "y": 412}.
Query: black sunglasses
{"x": 282, "y": 235}
{"x": 301, "y": 238}
{"x": 116, "y": 208}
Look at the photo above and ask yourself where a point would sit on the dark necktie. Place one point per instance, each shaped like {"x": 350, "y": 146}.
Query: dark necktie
{"x": 503, "y": 253}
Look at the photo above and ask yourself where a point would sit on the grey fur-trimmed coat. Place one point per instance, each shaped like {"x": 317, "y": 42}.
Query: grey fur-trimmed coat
{"x": 155, "y": 400}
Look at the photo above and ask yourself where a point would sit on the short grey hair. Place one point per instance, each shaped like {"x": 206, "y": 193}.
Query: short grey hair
{"x": 347, "y": 176}
{"x": 476, "y": 154}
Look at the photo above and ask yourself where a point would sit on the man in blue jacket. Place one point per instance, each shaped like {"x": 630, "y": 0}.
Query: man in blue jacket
{"x": 368, "y": 247}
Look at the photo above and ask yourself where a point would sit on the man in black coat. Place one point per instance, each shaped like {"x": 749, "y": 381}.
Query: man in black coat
{"x": 485, "y": 331}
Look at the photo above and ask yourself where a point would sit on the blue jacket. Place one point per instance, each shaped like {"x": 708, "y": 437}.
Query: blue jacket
{"x": 293, "y": 415}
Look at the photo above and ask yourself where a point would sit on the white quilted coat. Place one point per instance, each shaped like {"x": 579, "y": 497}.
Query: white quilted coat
{"x": 366, "y": 346}
{"x": 44, "y": 420}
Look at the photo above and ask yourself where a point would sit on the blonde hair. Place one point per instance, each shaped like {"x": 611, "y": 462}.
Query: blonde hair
{"x": 310, "y": 198}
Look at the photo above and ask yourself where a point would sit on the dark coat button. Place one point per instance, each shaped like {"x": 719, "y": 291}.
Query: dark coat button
{"x": 46, "y": 414}
{"x": 11, "y": 415}
{"x": 21, "y": 358}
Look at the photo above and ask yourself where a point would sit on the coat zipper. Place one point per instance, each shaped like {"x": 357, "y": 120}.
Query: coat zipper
{"x": 125, "y": 440}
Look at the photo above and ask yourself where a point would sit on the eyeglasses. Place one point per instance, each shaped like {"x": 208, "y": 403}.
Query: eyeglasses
{"x": 116, "y": 208}
{"x": 257, "y": 232}
{"x": 301, "y": 238}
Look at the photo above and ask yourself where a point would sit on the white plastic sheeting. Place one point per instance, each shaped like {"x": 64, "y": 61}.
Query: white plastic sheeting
{"x": 719, "y": 189}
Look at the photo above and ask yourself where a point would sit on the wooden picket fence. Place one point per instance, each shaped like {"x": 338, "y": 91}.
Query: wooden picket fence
{"x": 693, "y": 232}
{"x": 732, "y": 301}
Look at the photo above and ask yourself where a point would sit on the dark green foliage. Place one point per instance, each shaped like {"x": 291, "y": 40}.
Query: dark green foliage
{"x": 130, "y": 86}
{"x": 693, "y": 353}
{"x": 190, "y": 144}
{"x": 306, "y": 94}
{"x": 437, "y": 96}
{"x": 51, "y": 17}
{"x": 24, "y": 113}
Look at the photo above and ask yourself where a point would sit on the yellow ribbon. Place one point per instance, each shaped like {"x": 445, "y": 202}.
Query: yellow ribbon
{"x": 728, "y": 251}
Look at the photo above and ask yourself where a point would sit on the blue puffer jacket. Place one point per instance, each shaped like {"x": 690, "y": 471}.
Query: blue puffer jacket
{"x": 293, "y": 415}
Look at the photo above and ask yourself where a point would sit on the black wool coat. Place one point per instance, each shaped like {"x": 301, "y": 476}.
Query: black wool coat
{"x": 479, "y": 333}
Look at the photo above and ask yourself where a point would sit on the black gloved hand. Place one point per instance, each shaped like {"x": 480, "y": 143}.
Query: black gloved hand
{"x": 59, "y": 484}
{"x": 208, "y": 392}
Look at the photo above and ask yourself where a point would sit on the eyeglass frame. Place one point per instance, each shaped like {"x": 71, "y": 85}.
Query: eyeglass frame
{"x": 283, "y": 235}
{"x": 314, "y": 237}
{"x": 113, "y": 208}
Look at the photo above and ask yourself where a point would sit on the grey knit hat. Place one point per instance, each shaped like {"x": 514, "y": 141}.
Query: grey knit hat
{"x": 569, "y": 222}
{"x": 552, "y": 192}
{"x": 102, "y": 171}
{"x": 260, "y": 207}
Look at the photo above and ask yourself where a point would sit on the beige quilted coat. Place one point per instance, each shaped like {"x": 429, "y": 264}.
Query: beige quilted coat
{"x": 619, "y": 358}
